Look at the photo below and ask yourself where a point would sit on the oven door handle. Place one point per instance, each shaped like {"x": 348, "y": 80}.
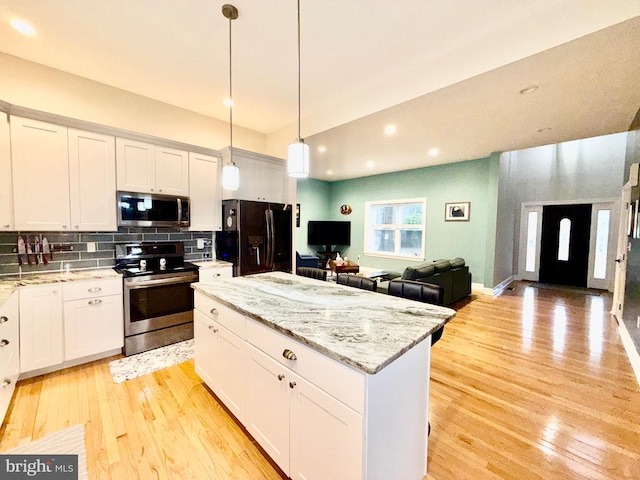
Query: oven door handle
{"x": 163, "y": 281}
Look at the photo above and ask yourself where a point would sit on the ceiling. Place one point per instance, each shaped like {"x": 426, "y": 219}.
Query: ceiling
{"x": 447, "y": 75}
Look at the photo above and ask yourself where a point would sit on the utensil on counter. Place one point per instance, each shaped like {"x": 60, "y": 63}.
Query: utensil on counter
{"x": 21, "y": 250}
{"x": 45, "y": 250}
{"x": 29, "y": 251}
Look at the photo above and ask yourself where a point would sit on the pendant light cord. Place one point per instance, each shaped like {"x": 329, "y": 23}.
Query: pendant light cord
{"x": 230, "y": 99}
{"x": 299, "y": 95}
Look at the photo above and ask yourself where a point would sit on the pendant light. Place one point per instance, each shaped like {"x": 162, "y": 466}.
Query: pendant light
{"x": 298, "y": 151}
{"x": 230, "y": 172}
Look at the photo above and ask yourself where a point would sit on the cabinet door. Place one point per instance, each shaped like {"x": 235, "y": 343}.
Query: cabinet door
{"x": 272, "y": 182}
{"x": 40, "y": 327}
{"x": 40, "y": 162}
{"x": 206, "y": 341}
{"x": 205, "y": 193}
{"x": 232, "y": 372}
{"x": 9, "y": 352}
{"x": 6, "y": 187}
{"x": 172, "y": 171}
{"x": 268, "y": 405}
{"x": 326, "y": 435}
{"x": 92, "y": 181}
{"x": 135, "y": 166}
{"x": 92, "y": 326}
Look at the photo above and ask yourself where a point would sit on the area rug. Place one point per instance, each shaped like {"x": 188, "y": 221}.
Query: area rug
{"x": 148, "y": 362}
{"x": 69, "y": 441}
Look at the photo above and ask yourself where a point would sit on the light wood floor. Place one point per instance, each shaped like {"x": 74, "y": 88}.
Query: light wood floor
{"x": 533, "y": 384}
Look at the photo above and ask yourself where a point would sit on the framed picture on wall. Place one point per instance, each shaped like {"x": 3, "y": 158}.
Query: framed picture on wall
{"x": 457, "y": 212}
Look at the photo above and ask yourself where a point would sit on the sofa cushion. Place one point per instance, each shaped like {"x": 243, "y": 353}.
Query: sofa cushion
{"x": 419, "y": 271}
{"x": 457, "y": 262}
{"x": 442, "y": 265}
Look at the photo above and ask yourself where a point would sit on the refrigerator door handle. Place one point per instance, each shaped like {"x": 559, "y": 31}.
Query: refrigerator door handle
{"x": 269, "y": 225}
{"x": 273, "y": 239}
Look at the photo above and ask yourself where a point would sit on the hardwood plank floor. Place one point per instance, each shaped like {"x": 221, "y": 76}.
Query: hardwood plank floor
{"x": 532, "y": 384}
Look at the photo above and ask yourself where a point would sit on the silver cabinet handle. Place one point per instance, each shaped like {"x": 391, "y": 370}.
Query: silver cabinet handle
{"x": 213, "y": 329}
{"x": 292, "y": 384}
{"x": 280, "y": 377}
{"x": 94, "y": 289}
{"x": 214, "y": 312}
{"x": 3, "y": 319}
{"x": 4, "y": 342}
{"x": 94, "y": 302}
{"x": 6, "y": 383}
{"x": 6, "y": 226}
{"x": 289, "y": 355}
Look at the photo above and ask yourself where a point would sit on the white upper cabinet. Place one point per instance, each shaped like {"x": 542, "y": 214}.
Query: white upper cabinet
{"x": 147, "y": 168}
{"x": 92, "y": 181}
{"x": 6, "y": 187}
{"x": 63, "y": 179}
{"x": 40, "y": 175}
{"x": 262, "y": 178}
{"x": 205, "y": 192}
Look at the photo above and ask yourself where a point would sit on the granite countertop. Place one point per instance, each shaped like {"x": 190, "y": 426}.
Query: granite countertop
{"x": 366, "y": 330}
{"x": 212, "y": 263}
{"x": 10, "y": 283}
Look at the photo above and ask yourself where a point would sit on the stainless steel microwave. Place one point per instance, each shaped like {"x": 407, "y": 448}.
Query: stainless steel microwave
{"x": 150, "y": 210}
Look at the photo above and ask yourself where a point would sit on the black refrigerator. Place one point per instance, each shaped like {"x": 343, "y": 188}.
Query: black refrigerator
{"x": 255, "y": 236}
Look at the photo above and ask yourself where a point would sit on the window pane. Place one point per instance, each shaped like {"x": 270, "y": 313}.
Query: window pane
{"x": 532, "y": 233}
{"x": 411, "y": 214}
{"x": 564, "y": 239}
{"x": 602, "y": 244}
{"x": 410, "y": 242}
{"x": 383, "y": 215}
{"x": 383, "y": 240}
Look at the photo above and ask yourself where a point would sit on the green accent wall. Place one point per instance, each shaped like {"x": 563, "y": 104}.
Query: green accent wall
{"x": 469, "y": 181}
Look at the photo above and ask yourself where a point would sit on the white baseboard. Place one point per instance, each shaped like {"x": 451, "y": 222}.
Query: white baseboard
{"x": 498, "y": 289}
{"x": 481, "y": 289}
{"x": 70, "y": 363}
{"x": 630, "y": 347}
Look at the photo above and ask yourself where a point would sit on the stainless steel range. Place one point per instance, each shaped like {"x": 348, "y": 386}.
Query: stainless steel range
{"x": 158, "y": 298}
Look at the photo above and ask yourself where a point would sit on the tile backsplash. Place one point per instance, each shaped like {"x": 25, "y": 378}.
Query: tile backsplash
{"x": 104, "y": 242}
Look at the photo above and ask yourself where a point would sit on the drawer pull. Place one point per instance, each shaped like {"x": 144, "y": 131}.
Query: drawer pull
{"x": 4, "y": 342}
{"x": 289, "y": 355}
{"x": 213, "y": 329}
{"x": 6, "y": 383}
{"x": 94, "y": 289}
{"x": 292, "y": 384}
{"x": 217, "y": 275}
{"x": 3, "y": 319}
{"x": 280, "y": 377}
{"x": 94, "y": 302}
{"x": 214, "y": 312}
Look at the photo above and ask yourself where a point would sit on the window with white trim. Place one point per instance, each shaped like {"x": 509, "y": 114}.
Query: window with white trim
{"x": 396, "y": 228}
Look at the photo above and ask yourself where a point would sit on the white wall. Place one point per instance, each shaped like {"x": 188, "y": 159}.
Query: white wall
{"x": 35, "y": 86}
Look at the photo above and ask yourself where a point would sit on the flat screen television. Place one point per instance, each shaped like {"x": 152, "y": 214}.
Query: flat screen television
{"x": 328, "y": 233}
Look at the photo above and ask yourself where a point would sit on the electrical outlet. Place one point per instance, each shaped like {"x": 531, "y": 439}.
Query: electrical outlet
{"x": 207, "y": 255}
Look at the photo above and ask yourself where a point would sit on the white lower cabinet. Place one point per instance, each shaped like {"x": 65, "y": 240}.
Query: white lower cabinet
{"x": 306, "y": 413}
{"x": 93, "y": 317}
{"x": 41, "y": 325}
{"x": 206, "y": 274}
{"x": 9, "y": 352}
{"x": 65, "y": 322}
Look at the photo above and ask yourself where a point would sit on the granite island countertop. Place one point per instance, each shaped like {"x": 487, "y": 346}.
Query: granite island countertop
{"x": 10, "y": 283}
{"x": 367, "y": 330}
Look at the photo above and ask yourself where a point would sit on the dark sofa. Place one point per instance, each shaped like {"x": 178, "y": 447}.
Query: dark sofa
{"x": 452, "y": 275}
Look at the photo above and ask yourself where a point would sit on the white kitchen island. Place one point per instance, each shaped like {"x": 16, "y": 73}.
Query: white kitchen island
{"x": 331, "y": 381}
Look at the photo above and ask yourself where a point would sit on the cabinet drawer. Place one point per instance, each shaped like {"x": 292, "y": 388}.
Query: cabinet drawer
{"x": 225, "y": 316}
{"x": 92, "y": 288}
{"x": 338, "y": 380}
{"x": 208, "y": 274}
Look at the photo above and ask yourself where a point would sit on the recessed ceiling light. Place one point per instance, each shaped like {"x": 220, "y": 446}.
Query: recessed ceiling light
{"x": 390, "y": 129}
{"x": 528, "y": 90}
{"x": 329, "y": 172}
{"x": 322, "y": 148}
{"x": 544, "y": 130}
{"x": 23, "y": 27}
{"x": 228, "y": 102}
{"x": 433, "y": 152}
{"x": 370, "y": 164}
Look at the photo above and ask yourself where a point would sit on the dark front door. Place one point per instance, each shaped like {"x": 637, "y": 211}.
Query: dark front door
{"x": 564, "y": 252}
